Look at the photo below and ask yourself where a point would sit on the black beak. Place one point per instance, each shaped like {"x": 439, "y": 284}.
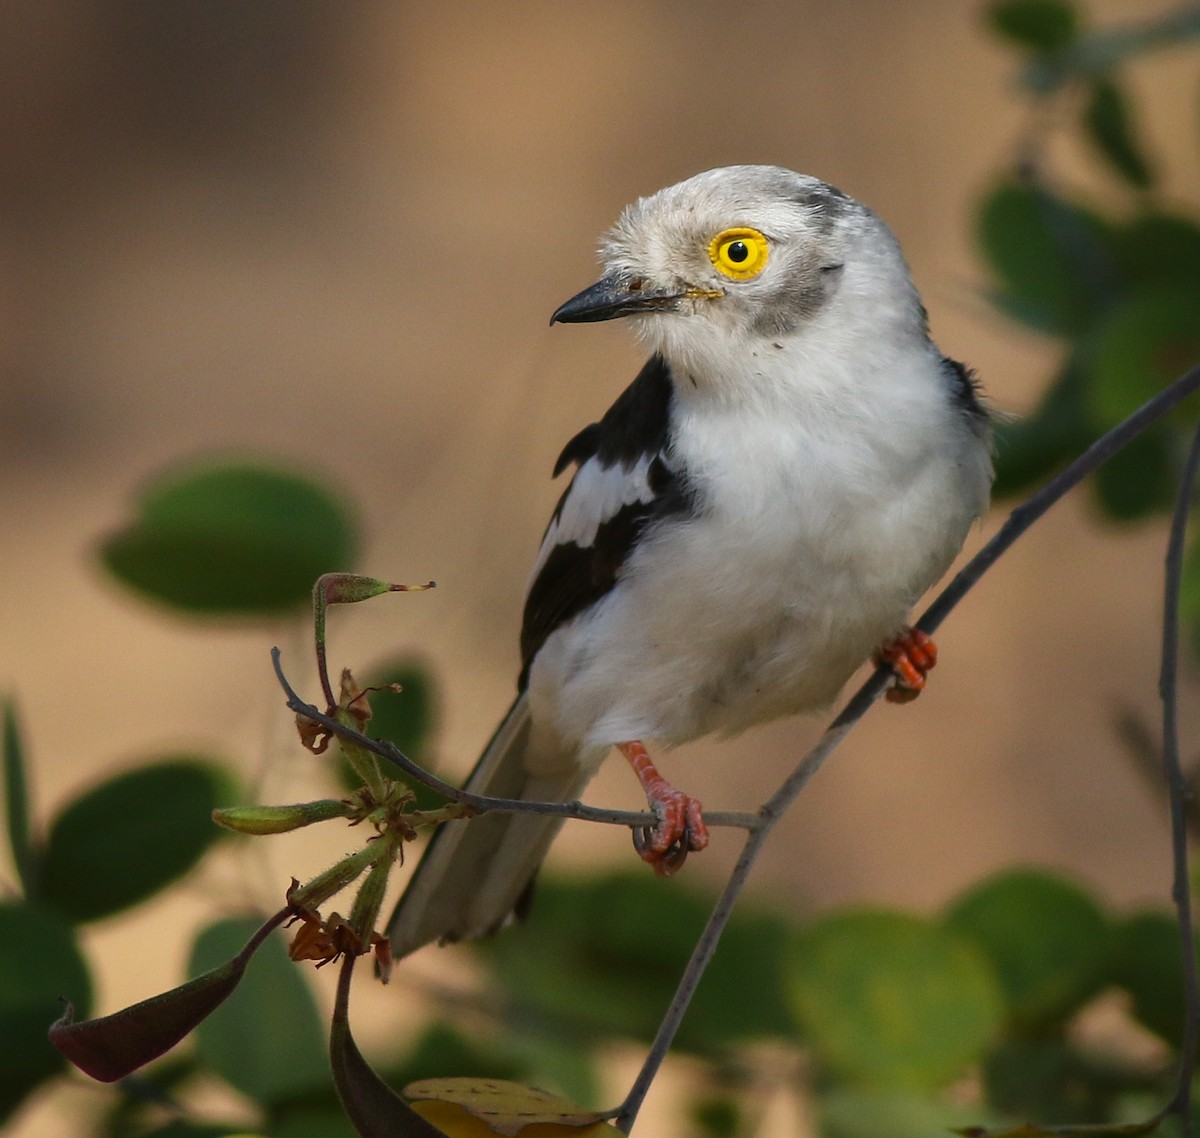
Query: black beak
{"x": 612, "y": 297}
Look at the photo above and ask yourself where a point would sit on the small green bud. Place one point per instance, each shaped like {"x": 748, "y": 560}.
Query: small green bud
{"x": 349, "y": 588}
{"x": 280, "y": 819}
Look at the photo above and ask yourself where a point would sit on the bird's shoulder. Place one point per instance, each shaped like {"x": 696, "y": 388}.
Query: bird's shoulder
{"x": 623, "y": 481}
{"x": 966, "y": 392}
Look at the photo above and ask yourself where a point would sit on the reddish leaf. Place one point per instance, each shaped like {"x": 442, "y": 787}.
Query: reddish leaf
{"x": 113, "y": 1046}
{"x": 375, "y": 1110}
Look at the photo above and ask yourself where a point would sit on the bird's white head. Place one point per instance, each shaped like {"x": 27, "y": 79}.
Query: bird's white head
{"x": 745, "y": 256}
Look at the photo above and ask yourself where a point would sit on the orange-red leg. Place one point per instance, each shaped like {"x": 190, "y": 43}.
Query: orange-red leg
{"x": 911, "y": 656}
{"x": 680, "y": 826}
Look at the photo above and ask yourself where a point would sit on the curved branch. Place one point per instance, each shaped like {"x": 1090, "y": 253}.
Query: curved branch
{"x": 483, "y": 803}
{"x": 1018, "y": 522}
{"x": 1178, "y": 790}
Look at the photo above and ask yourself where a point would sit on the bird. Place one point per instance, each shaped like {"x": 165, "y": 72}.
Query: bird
{"x": 752, "y": 519}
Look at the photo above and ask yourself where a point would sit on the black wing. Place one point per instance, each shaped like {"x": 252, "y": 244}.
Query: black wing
{"x": 623, "y": 481}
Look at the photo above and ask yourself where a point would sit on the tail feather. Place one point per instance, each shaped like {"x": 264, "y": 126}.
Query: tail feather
{"x": 473, "y": 873}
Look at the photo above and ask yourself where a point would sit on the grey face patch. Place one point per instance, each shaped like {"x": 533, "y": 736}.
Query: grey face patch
{"x": 801, "y": 294}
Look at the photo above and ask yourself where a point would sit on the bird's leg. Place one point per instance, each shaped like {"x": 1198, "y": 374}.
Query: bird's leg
{"x": 911, "y": 655}
{"x": 680, "y": 826}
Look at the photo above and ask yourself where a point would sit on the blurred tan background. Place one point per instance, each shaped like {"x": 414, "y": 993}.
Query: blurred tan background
{"x": 335, "y": 233}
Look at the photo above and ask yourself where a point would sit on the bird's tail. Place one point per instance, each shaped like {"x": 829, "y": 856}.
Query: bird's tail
{"x": 476, "y": 871}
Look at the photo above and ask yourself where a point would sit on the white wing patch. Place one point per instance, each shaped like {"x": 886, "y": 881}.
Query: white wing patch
{"x": 596, "y": 494}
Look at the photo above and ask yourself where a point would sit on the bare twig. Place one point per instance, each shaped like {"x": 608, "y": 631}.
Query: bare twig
{"x": 1017, "y": 523}
{"x": 483, "y": 803}
{"x": 1177, "y": 785}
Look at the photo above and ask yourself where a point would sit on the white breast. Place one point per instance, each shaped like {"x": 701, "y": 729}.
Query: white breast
{"x": 826, "y": 509}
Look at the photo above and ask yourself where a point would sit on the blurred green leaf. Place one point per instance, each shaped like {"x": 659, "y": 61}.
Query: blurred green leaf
{"x": 408, "y": 718}
{"x": 127, "y": 838}
{"x": 1144, "y": 343}
{"x": 1148, "y": 964}
{"x": 614, "y": 976}
{"x": 16, "y": 803}
{"x": 716, "y": 1116}
{"x": 1051, "y": 1081}
{"x": 1107, "y": 122}
{"x": 1157, "y": 249}
{"x": 232, "y": 539}
{"x": 183, "y": 1128}
{"x": 443, "y": 1051}
{"x": 322, "y": 1122}
{"x": 847, "y": 1112}
{"x": 1048, "y": 940}
{"x": 891, "y": 1000}
{"x": 40, "y": 963}
{"x": 1052, "y": 258}
{"x": 1044, "y": 25}
{"x": 1029, "y": 450}
{"x": 1139, "y": 480}
{"x": 267, "y": 1039}
{"x": 743, "y": 994}
{"x": 599, "y": 976}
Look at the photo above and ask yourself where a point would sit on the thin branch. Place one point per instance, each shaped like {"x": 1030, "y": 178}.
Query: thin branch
{"x": 1177, "y": 785}
{"x": 1017, "y": 523}
{"x": 483, "y": 803}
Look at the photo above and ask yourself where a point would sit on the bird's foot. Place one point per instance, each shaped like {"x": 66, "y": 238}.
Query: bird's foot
{"x": 680, "y": 828}
{"x": 911, "y": 655}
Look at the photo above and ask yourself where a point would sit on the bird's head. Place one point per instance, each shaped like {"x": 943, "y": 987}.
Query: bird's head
{"x": 744, "y": 254}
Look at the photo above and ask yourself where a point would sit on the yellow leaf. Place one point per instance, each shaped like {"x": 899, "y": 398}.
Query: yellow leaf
{"x": 477, "y": 1108}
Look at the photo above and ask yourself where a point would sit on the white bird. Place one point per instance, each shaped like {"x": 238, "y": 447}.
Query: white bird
{"x": 751, "y": 520}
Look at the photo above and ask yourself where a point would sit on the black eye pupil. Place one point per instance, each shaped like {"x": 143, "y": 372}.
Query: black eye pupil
{"x": 737, "y": 252}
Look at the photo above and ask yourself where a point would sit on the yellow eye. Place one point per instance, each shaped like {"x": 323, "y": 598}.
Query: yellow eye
{"x": 739, "y": 253}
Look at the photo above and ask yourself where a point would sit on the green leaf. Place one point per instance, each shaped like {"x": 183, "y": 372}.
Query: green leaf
{"x": 743, "y": 994}
{"x": 716, "y": 1116}
{"x": 40, "y": 963}
{"x": 1044, "y": 25}
{"x": 892, "y": 1000}
{"x": 1148, "y": 964}
{"x": 1144, "y": 342}
{"x": 1029, "y": 450}
{"x": 1048, "y": 1079}
{"x": 267, "y": 1040}
{"x": 1048, "y": 940}
{"x": 600, "y": 978}
{"x": 1156, "y": 249}
{"x": 1052, "y": 258}
{"x": 615, "y": 976}
{"x": 888, "y": 1113}
{"x": 182, "y": 1128}
{"x": 232, "y": 539}
{"x": 16, "y": 803}
{"x": 443, "y": 1050}
{"x": 322, "y": 1122}
{"x": 1107, "y": 122}
{"x": 127, "y": 838}
{"x": 1139, "y": 480}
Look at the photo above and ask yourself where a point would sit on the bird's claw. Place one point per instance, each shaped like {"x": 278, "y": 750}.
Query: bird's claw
{"x": 679, "y": 831}
{"x": 911, "y": 656}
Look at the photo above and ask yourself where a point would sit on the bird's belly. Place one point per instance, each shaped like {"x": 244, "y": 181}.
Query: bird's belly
{"x": 715, "y": 627}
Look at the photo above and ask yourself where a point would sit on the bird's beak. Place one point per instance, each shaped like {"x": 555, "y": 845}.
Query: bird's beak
{"x": 617, "y": 295}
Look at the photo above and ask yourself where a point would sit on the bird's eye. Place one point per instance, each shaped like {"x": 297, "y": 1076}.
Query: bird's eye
{"x": 739, "y": 253}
